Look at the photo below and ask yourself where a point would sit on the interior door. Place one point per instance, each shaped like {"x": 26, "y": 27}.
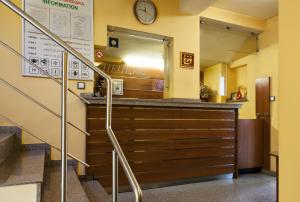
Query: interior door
{"x": 263, "y": 114}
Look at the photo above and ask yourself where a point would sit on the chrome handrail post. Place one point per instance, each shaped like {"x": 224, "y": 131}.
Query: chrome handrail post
{"x": 117, "y": 148}
{"x": 115, "y": 176}
{"x": 64, "y": 96}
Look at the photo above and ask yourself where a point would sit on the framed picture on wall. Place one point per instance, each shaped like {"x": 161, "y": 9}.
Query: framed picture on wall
{"x": 187, "y": 60}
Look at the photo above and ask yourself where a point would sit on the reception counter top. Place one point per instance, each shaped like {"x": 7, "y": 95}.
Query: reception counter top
{"x": 165, "y": 141}
{"x": 161, "y": 102}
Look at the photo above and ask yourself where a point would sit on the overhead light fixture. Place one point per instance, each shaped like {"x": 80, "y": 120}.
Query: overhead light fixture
{"x": 144, "y": 62}
{"x": 201, "y": 22}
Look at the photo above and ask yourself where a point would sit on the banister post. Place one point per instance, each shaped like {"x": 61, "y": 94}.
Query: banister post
{"x": 115, "y": 176}
{"x": 64, "y": 95}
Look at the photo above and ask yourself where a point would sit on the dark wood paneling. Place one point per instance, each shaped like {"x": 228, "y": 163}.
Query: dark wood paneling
{"x": 141, "y": 94}
{"x": 102, "y": 147}
{"x": 103, "y": 170}
{"x": 142, "y": 135}
{"x": 143, "y": 83}
{"x": 170, "y": 175}
{"x": 126, "y": 124}
{"x": 148, "y": 156}
{"x": 161, "y": 113}
{"x": 119, "y": 70}
{"x": 163, "y": 143}
{"x": 250, "y": 145}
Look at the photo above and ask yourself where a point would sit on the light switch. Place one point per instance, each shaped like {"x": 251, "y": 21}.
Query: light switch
{"x": 81, "y": 85}
{"x": 272, "y": 98}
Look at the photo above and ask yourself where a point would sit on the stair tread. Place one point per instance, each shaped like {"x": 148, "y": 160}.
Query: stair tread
{"x": 7, "y": 145}
{"x": 95, "y": 192}
{"x": 5, "y": 136}
{"x": 51, "y": 190}
{"x": 24, "y": 167}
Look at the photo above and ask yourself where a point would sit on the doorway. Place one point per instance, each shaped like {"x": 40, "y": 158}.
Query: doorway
{"x": 263, "y": 86}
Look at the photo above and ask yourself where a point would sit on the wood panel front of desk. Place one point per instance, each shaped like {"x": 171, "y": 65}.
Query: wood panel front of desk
{"x": 163, "y": 144}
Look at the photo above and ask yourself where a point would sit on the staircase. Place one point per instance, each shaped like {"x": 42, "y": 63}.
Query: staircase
{"x": 27, "y": 174}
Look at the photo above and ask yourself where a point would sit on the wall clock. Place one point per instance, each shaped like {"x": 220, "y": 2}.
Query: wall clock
{"x": 145, "y": 11}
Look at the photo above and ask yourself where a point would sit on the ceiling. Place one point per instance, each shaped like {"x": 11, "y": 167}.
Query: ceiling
{"x": 220, "y": 45}
{"x": 194, "y": 6}
{"x": 260, "y": 9}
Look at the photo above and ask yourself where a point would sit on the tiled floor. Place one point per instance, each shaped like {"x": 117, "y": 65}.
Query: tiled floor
{"x": 247, "y": 188}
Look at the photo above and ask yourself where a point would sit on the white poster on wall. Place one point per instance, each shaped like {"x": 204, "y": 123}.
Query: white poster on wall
{"x": 72, "y": 21}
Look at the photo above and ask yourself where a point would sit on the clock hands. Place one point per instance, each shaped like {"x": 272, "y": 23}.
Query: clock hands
{"x": 145, "y": 10}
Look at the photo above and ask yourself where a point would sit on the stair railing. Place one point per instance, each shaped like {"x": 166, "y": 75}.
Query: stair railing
{"x": 118, "y": 154}
{"x": 39, "y": 138}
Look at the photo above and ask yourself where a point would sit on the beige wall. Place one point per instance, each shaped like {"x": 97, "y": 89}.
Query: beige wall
{"x": 20, "y": 193}
{"x": 262, "y": 64}
{"x": 289, "y": 110}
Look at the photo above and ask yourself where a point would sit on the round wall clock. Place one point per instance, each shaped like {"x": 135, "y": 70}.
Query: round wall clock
{"x": 145, "y": 11}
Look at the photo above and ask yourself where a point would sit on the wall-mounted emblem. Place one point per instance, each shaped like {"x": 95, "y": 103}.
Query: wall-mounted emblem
{"x": 187, "y": 60}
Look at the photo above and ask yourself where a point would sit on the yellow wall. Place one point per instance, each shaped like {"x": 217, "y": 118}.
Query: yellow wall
{"x": 184, "y": 83}
{"x": 289, "y": 110}
{"x": 234, "y": 18}
{"x": 262, "y": 64}
{"x": 40, "y": 122}
{"x": 212, "y": 77}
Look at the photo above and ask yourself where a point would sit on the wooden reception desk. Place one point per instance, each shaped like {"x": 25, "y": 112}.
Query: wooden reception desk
{"x": 165, "y": 141}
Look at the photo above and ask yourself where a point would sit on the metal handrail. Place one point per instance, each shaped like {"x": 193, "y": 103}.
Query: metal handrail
{"x": 3, "y": 81}
{"x": 117, "y": 148}
{"x": 42, "y": 70}
{"x": 40, "y": 139}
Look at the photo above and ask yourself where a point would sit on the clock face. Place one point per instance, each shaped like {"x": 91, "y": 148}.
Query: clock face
{"x": 145, "y": 11}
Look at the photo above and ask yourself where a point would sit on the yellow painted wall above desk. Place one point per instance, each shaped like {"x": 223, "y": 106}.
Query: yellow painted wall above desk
{"x": 184, "y": 29}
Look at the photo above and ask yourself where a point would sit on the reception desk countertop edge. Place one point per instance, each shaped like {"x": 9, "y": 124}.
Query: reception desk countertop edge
{"x": 160, "y": 102}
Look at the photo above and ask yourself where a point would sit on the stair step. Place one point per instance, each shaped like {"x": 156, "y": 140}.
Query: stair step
{"x": 95, "y": 192}
{"x": 7, "y": 146}
{"x": 25, "y": 167}
{"x": 9, "y": 142}
{"x": 51, "y": 190}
